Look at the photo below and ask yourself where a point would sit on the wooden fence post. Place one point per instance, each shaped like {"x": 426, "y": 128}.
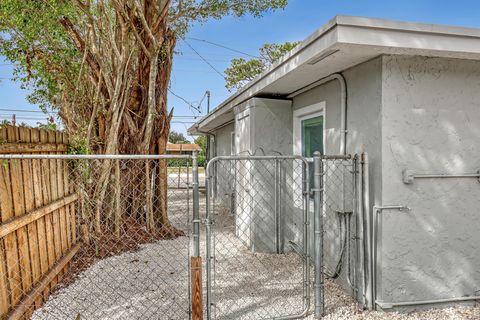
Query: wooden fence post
{"x": 197, "y": 293}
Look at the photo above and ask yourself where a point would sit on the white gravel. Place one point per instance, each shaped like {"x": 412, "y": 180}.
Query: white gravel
{"x": 152, "y": 283}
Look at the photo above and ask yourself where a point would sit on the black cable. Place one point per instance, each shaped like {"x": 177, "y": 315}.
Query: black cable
{"x": 223, "y": 46}
{"x": 204, "y": 60}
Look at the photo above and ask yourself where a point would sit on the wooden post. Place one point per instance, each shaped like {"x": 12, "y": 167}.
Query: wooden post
{"x": 197, "y": 293}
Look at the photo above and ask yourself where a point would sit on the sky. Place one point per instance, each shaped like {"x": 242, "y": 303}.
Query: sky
{"x": 199, "y": 64}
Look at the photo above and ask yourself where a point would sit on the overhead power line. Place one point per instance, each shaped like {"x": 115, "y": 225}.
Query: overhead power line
{"x": 223, "y": 46}
{"x": 28, "y": 111}
{"x": 186, "y": 101}
{"x": 205, "y": 60}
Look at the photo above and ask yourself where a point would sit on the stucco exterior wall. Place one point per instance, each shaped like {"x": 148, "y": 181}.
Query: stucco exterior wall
{"x": 431, "y": 124}
{"x": 262, "y": 127}
{"x": 224, "y": 176}
{"x": 223, "y": 140}
{"x": 364, "y": 89}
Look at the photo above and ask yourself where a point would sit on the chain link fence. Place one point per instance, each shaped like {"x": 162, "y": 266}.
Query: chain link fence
{"x": 338, "y": 221}
{"x": 111, "y": 237}
{"x": 257, "y": 233}
{"x": 100, "y": 238}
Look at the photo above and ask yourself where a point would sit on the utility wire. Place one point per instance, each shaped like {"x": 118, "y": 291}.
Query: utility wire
{"x": 204, "y": 60}
{"x": 186, "y": 101}
{"x": 22, "y": 110}
{"x": 223, "y": 46}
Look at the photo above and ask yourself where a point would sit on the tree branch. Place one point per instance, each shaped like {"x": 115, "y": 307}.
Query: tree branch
{"x": 81, "y": 47}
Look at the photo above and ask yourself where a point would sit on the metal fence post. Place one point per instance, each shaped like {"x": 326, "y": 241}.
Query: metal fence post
{"x": 318, "y": 227}
{"x": 196, "y": 206}
{"x": 196, "y": 260}
{"x": 208, "y": 253}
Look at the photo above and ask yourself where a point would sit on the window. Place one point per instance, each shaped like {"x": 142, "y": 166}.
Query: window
{"x": 312, "y": 136}
{"x": 308, "y": 127}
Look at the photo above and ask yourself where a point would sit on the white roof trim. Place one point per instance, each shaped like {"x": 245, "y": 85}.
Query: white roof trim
{"x": 372, "y": 35}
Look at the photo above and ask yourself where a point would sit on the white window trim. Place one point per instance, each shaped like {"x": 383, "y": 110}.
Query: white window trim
{"x": 308, "y": 112}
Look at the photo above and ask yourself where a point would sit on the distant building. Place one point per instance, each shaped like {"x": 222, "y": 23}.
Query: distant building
{"x": 182, "y": 148}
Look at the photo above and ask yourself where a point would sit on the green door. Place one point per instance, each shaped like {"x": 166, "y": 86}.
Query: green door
{"x": 312, "y": 136}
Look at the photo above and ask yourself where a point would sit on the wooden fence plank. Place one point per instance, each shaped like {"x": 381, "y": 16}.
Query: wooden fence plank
{"x": 46, "y": 190}
{"x": 62, "y": 213}
{"x": 37, "y": 290}
{"x": 16, "y": 223}
{"x": 18, "y": 200}
{"x": 31, "y": 147}
{"x": 54, "y": 194}
{"x": 5, "y": 256}
{"x": 25, "y": 135}
{"x": 38, "y": 199}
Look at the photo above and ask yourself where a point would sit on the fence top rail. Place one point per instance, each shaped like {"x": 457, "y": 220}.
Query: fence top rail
{"x": 96, "y": 156}
{"x": 248, "y": 157}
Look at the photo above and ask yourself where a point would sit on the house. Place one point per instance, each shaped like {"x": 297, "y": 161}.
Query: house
{"x": 408, "y": 94}
{"x": 182, "y": 148}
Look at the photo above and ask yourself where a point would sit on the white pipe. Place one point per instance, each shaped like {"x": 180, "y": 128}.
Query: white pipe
{"x": 343, "y": 104}
{"x": 376, "y": 211}
{"x": 368, "y": 289}
{"x": 389, "y": 305}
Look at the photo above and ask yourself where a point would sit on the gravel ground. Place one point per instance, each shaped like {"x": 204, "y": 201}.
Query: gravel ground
{"x": 152, "y": 283}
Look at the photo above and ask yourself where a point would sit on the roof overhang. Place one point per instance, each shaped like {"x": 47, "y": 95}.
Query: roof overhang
{"x": 341, "y": 44}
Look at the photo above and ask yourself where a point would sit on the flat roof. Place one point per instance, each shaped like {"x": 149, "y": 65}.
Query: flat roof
{"x": 341, "y": 44}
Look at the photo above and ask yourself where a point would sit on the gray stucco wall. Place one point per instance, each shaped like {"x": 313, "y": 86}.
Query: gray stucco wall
{"x": 412, "y": 113}
{"x": 364, "y": 89}
{"x": 222, "y": 139}
{"x": 223, "y": 175}
{"x": 262, "y": 127}
{"x": 431, "y": 124}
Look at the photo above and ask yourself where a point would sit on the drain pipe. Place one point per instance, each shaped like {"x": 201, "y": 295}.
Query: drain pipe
{"x": 343, "y": 104}
{"x": 376, "y": 211}
{"x": 389, "y": 305}
{"x": 367, "y": 231}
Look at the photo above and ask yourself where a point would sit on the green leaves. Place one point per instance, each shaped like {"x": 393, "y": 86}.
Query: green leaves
{"x": 242, "y": 71}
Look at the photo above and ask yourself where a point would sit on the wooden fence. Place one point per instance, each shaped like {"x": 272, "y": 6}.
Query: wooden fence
{"x": 37, "y": 220}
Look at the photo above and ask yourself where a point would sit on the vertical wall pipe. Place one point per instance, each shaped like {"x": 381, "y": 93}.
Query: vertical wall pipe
{"x": 318, "y": 227}
{"x": 367, "y": 234}
{"x": 361, "y": 231}
{"x": 376, "y": 211}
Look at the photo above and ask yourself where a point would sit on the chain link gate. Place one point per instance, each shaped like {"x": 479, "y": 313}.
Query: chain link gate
{"x": 257, "y": 229}
{"x": 77, "y": 241}
{"x": 338, "y": 225}
{"x": 97, "y": 237}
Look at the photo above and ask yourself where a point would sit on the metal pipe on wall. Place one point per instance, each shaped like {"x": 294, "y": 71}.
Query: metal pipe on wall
{"x": 361, "y": 231}
{"x": 376, "y": 211}
{"x": 343, "y": 104}
{"x": 367, "y": 242}
{"x": 389, "y": 305}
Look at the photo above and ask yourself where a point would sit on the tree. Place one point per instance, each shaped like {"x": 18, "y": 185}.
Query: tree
{"x": 201, "y": 141}
{"x": 177, "y": 137}
{"x": 105, "y": 66}
{"x": 242, "y": 71}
